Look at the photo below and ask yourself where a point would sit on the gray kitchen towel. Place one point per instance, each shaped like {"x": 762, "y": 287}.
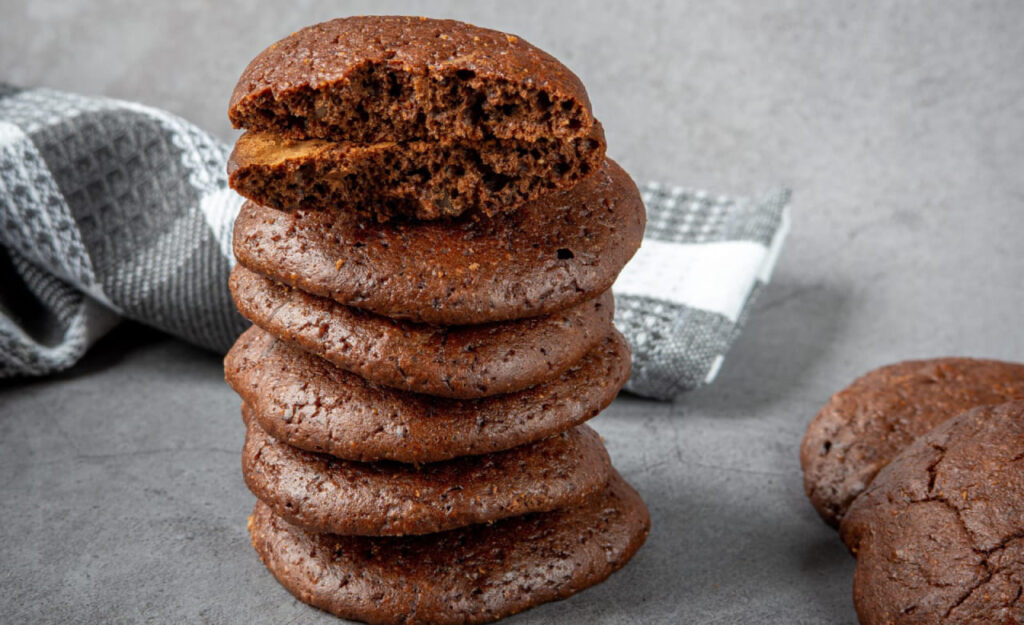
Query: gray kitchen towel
{"x": 683, "y": 299}
{"x": 111, "y": 209}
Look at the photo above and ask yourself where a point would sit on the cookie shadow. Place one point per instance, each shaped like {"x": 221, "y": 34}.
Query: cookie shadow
{"x": 789, "y": 332}
{"x": 825, "y": 557}
{"x": 117, "y": 346}
{"x": 720, "y": 559}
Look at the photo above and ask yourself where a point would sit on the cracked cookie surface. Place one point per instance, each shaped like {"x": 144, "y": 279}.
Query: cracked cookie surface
{"x": 475, "y": 574}
{"x": 866, "y": 424}
{"x": 939, "y": 533}
{"x": 461, "y": 362}
{"x": 325, "y": 494}
{"x": 309, "y": 403}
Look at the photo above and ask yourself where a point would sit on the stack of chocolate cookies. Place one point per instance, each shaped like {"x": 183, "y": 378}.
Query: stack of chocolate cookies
{"x": 426, "y": 254}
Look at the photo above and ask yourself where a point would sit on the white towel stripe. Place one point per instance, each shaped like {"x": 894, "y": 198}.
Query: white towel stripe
{"x": 715, "y": 277}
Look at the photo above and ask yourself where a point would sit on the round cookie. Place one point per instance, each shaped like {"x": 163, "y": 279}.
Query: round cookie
{"x": 421, "y": 179}
{"x": 325, "y": 494}
{"x": 394, "y": 78}
{"x": 865, "y": 425}
{"x": 555, "y": 252}
{"x": 309, "y": 403}
{"x": 475, "y": 574}
{"x": 939, "y": 533}
{"x": 463, "y": 362}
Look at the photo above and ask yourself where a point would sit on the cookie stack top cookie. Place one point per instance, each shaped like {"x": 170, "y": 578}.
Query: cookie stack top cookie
{"x": 398, "y": 78}
{"x": 409, "y": 116}
{"x": 427, "y": 253}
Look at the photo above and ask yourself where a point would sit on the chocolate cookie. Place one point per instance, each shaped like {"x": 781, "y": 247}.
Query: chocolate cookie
{"x": 325, "y": 494}
{"x": 475, "y": 574}
{"x": 377, "y": 78}
{"x": 461, "y": 362}
{"x": 307, "y": 402}
{"x": 552, "y": 253}
{"x": 865, "y": 425}
{"x": 939, "y": 533}
{"x": 422, "y": 179}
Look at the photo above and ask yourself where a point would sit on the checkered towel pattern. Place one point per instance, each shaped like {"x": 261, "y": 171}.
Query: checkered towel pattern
{"x": 108, "y": 209}
{"x": 111, "y": 209}
{"x": 685, "y": 296}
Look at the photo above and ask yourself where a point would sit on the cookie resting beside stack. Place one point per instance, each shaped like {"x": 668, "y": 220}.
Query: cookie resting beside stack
{"x": 920, "y": 464}
{"x": 427, "y": 254}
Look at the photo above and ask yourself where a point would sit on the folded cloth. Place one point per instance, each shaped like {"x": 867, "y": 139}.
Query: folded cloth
{"x": 683, "y": 299}
{"x": 111, "y": 209}
{"x": 108, "y": 209}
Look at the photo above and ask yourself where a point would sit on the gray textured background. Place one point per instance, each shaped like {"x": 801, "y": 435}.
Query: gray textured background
{"x": 899, "y": 125}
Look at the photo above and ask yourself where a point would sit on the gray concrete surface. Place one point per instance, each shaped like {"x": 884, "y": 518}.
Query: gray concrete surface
{"x": 899, "y": 125}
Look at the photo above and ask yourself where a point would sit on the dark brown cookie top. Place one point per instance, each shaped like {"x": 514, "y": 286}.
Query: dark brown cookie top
{"x": 939, "y": 533}
{"x": 419, "y": 179}
{"x": 394, "y": 78}
{"x": 865, "y": 425}
{"x": 325, "y": 494}
{"x": 552, "y": 253}
{"x": 475, "y": 574}
{"x": 307, "y": 402}
{"x": 463, "y": 362}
